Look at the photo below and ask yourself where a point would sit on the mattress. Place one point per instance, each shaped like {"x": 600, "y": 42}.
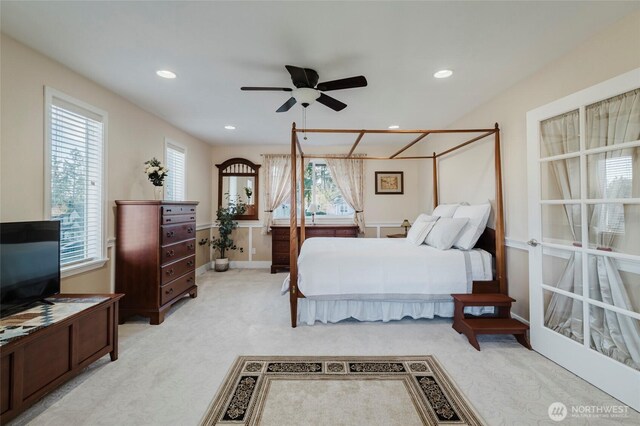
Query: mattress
{"x": 389, "y": 269}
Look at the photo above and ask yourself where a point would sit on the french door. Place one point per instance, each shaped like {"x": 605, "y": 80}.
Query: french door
{"x": 584, "y": 205}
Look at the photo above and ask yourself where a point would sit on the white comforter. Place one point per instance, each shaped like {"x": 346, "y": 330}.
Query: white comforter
{"x": 385, "y": 269}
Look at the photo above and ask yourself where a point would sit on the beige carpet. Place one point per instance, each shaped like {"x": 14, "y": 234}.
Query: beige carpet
{"x": 167, "y": 374}
{"x": 403, "y": 391}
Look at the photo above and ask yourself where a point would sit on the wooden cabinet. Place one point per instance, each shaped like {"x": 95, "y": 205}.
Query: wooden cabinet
{"x": 34, "y": 364}
{"x": 155, "y": 256}
{"x": 280, "y": 240}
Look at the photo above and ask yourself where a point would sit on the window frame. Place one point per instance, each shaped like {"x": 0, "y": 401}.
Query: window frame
{"x": 101, "y": 258}
{"x": 333, "y": 219}
{"x": 176, "y": 146}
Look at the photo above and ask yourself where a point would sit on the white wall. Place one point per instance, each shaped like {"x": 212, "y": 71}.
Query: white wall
{"x": 134, "y": 136}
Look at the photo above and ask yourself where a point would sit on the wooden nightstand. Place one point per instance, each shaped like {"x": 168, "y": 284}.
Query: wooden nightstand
{"x": 502, "y": 323}
{"x": 396, "y": 236}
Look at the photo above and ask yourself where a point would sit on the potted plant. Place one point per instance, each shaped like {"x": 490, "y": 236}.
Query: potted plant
{"x": 156, "y": 173}
{"x": 225, "y": 219}
{"x": 250, "y": 207}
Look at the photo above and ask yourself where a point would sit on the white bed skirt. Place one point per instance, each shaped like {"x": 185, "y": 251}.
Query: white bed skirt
{"x": 310, "y": 311}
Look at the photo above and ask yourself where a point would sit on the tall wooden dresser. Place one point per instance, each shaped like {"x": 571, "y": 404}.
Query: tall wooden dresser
{"x": 280, "y": 240}
{"x": 155, "y": 256}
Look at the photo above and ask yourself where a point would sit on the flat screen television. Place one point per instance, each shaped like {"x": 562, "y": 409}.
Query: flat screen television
{"x": 29, "y": 263}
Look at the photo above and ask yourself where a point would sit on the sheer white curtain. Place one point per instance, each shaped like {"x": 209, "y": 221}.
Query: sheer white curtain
{"x": 609, "y": 122}
{"x": 277, "y": 185}
{"x": 348, "y": 175}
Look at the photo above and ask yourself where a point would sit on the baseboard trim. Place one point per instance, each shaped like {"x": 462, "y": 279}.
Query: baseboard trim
{"x": 204, "y": 268}
{"x": 519, "y": 318}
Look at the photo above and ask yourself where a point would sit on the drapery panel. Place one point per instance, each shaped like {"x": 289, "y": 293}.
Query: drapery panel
{"x": 610, "y": 122}
{"x": 277, "y": 185}
{"x": 348, "y": 175}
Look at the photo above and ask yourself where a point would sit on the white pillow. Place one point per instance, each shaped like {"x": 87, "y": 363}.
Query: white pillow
{"x": 419, "y": 231}
{"x": 478, "y": 216}
{"x": 425, "y": 218}
{"x": 445, "y": 210}
{"x": 445, "y": 232}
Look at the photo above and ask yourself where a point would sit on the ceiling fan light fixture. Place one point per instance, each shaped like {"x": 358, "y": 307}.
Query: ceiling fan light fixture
{"x": 230, "y": 127}
{"x": 166, "y": 74}
{"x": 305, "y": 95}
{"x": 443, "y": 74}
{"x": 393, "y": 127}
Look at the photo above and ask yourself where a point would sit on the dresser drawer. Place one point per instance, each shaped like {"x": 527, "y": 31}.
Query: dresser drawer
{"x": 352, "y": 233}
{"x": 174, "y": 288}
{"x": 319, "y": 232}
{"x": 174, "y": 233}
{"x": 177, "y": 251}
{"x": 178, "y": 218}
{"x": 172, "y": 270}
{"x": 167, "y": 210}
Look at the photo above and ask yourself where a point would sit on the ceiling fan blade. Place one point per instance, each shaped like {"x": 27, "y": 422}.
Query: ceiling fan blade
{"x": 302, "y": 77}
{"x": 332, "y": 103}
{"x": 287, "y": 105}
{"x": 344, "y": 83}
{"x": 284, "y": 89}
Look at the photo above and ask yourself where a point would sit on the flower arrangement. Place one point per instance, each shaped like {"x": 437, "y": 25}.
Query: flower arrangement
{"x": 155, "y": 171}
{"x": 249, "y": 192}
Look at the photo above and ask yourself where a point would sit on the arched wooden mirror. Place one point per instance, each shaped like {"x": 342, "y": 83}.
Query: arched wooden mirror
{"x": 238, "y": 177}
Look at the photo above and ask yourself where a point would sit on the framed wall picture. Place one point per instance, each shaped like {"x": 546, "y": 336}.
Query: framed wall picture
{"x": 389, "y": 183}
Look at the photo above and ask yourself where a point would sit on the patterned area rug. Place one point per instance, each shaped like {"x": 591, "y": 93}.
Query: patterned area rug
{"x": 281, "y": 390}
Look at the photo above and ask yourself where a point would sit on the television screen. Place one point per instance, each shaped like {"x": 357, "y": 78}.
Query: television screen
{"x": 29, "y": 263}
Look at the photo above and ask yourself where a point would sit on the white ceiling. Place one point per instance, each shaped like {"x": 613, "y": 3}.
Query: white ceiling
{"x": 216, "y": 47}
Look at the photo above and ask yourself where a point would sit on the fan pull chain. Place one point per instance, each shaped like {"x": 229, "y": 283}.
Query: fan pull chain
{"x": 304, "y": 122}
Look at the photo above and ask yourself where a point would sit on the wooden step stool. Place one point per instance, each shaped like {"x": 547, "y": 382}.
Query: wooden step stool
{"x": 501, "y": 323}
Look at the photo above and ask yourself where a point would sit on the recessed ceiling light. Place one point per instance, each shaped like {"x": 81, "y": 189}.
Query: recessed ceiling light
{"x": 166, "y": 74}
{"x": 229, "y": 127}
{"x": 394, "y": 126}
{"x": 443, "y": 74}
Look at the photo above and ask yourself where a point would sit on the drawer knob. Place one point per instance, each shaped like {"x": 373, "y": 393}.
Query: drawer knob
{"x": 170, "y": 272}
{"x": 168, "y": 219}
{"x": 192, "y": 218}
{"x": 168, "y": 210}
{"x": 170, "y": 234}
{"x": 190, "y": 246}
{"x": 190, "y": 263}
{"x": 189, "y": 230}
{"x": 170, "y": 253}
{"x": 169, "y": 291}
{"x": 189, "y": 279}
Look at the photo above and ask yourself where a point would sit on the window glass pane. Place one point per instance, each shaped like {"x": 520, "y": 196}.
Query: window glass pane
{"x": 563, "y": 314}
{"x": 614, "y": 174}
{"x": 561, "y": 223}
{"x": 615, "y": 335}
{"x": 614, "y": 120}
{"x": 560, "y": 134}
{"x": 560, "y": 180}
{"x": 614, "y": 227}
{"x": 76, "y": 180}
{"x": 562, "y": 269}
{"x": 615, "y": 281}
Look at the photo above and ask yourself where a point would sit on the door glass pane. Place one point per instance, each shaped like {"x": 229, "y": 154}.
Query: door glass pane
{"x": 615, "y": 282}
{"x": 614, "y": 227}
{"x": 562, "y": 269}
{"x": 615, "y": 335}
{"x": 614, "y": 174}
{"x": 560, "y": 134}
{"x": 614, "y": 120}
{"x": 563, "y": 314}
{"x": 561, "y": 223}
{"x": 560, "y": 179}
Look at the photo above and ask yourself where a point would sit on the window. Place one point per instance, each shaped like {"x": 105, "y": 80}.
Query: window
{"x": 175, "y": 184}
{"x": 617, "y": 177}
{"x": 321, "y": 192}
{"x": 75, "y": 177}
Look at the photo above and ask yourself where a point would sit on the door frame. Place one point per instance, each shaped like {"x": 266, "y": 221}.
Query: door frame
{"x": 591, "y": 365}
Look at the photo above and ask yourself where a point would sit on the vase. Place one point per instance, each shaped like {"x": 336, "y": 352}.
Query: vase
{"x": 158, "y": 193}
{"x": 221, "y": 265}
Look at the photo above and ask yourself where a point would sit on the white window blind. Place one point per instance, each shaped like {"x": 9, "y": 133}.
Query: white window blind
{"x": 76, "y": 146}
{"x": 175, "y": 184}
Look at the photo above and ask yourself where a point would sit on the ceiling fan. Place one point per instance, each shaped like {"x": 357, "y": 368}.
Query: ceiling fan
{"x": 309, "y": 90}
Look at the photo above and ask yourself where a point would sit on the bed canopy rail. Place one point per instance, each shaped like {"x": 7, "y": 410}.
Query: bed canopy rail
{"x": 494, "y": 239}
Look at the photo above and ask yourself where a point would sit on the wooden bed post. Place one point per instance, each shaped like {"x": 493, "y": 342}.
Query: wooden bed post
{"x": 303, "y": 218}
{"x": 501, "y": 260}
{"x": 293, "y": 234}
{"x": 435, "y": 181}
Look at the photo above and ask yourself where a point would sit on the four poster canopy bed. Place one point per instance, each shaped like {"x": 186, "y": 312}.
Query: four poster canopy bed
{"x": 369, "y": 279}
